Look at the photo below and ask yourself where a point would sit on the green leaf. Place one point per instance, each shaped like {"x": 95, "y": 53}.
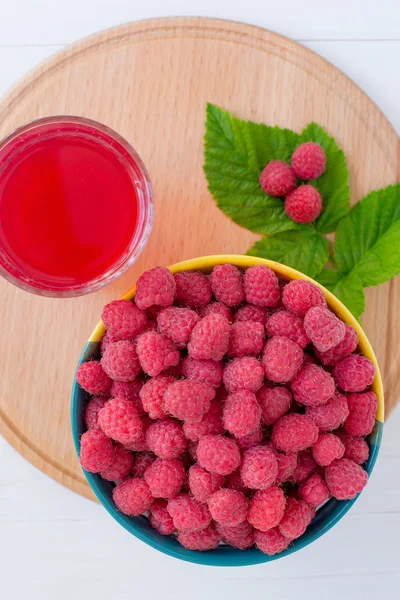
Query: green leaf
{"x": 347, "y": 289}
{"x": 368, "y": 240}
{"x": 305, "y": 250}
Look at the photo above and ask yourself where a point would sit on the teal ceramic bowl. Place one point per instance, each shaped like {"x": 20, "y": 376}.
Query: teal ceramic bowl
{"x": 225, "y": 556}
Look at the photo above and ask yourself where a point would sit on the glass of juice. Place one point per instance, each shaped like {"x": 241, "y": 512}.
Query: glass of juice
{"x": 76, "y": 206}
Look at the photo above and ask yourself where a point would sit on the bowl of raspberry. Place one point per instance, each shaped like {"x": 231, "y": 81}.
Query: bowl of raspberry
{"x": 227, "y": 410}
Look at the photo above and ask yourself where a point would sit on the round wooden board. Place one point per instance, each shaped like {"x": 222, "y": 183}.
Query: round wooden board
{"x": 150, "y": 81}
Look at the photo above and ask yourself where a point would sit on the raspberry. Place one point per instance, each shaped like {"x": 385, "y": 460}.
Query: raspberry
{"x": 261, "y": 286}
{"x": 247, "y": 339}
{"x": 299, "y": 296}
{"x": 355, "y": 448}
{"x": 215, "y": 308}
{"x": 188, "y": 514}
{"x": 218, "y": 454}
{"x": 309, "y": 161}
{"x": 211, "y": 423}
{"x": 228, "y": 507}
{"x": 323, "y": 328}
{"x": 192, "y": 289}
{"x": 281, "y": 358}
{"x": 275, "y": 401}
{"x": 240, "y": 536}
{"x": 327, "y": 448}
{"x": 97, "y": 451}
{"x": 210, "y": 338}
{"x": 330, "y": 415}
{"x": 152, "y": 395}
{"x": 156, "y": 353}
{"x": 120, "y": 421}
{"x": 298, "y": 515}
{"x": 306, "y": 466}
{"x": 294, "y": 432}
{"x": 354, "y": 373}
{"x": 249, "y": 312}
{"x": 287, "y": 464}
{"x": 251, "y": 439}
{"x": 277, "y": 178}
{"x": 177, "y": 324}
{"x": 142, "y": 462}
{"x": 304, "y": 204}
{"x": 156, "y": 286}
{"x": 92, "y": 409}
{"x": 241, "y": 413}
{"x": 206, "y": 539}
{"x": 345, "y": 479}
{"x": 313, "y": 386}
{"x": 271, "y": 542}
{"x": 140, "y": 445}
{"x": 120, "y": 361}
{"x": 188, "y": 400}
{"x": 344, "y": 348}
{"x": 314, "y": 491}
{"x": 361, "y": 419}
{"x": 205, "y": 371}
{"x": 165, "y": 477}
{"x": 129, "y": 390}
{"x": 121, "y": 465}
{"x": 267, "y": 508}
{"x": 132, "y": 497}
{"x": 235, "y": 482}
{"x": 160, "y": 519}
{"x": 165, "y": 438}
{"x": 227, "y": 284}
{"x": 202, "y": 484}
{"x": 287, "y": 325}
{"x": 92, "y": 378}
{"x": 244, "y": 373}
{"x": 259, "y": 467}
{"x": 123, "y": 320}
{"x": 106, "y": 340}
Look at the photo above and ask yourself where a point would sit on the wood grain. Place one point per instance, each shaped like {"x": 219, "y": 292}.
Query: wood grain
{"x": 150, "y": 81}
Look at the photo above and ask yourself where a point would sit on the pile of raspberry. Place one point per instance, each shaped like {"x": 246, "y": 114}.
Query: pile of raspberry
{"x": 303, "y": 203}
{"x": 227, "y": 408}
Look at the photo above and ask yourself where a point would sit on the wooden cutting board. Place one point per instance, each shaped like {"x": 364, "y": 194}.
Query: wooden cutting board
{"x": 150, "y": 81}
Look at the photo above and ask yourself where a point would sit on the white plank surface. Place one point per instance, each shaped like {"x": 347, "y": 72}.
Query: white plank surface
{"x": 55, "y": 544}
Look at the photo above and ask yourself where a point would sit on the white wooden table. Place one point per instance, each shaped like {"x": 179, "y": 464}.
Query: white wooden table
{"x": 55, "y": 544}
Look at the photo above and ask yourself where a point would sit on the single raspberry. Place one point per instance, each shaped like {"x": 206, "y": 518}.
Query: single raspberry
{"x": 92, "y": 409}
{"x": 298, "y": 515}
{"x": 287, "y": 464}
{"x": 345, "y": 479}
{"x": 354, "y": 373}
{"x": 120, "y": 361}
{"x": 156, "y": 286}
{"x": 227, "y": 284}
{"x": 330, "y": 415}
{"x": 235, "y": 482}
{"x": 313, "y": 386}
{"x": 211, "y": 423}
{"x": 206, "y": 371}
{"x": 277, "y": 178}
{"x": 97, "y": 451}
{"x": 261, "y": 286}
{"x": 304, "y": 204}
{"x": 188, "y": 514}
{"x": 121, "y": 465}
{"x": 240, "y": 536}
{"x": 206, "y": 539}
{"x": 361, "y": 419}
{"x": 140, "y": 445}
{"x": 123, "y": 320}
{"x": 242, "y": 413}
{"x": 294, "y": 432}
{"x": 120, "y": 421}
{"x": 192, "y": 289}
{"x": 299, "y": 296}
{"x": 323, "y": 328}
{"x": 202, "y": 483}
{"x": 314, "y": 491}
{"x": 160, "y": 519}
{"x": 132, "y": 497}
{"x": 275, "y": 401}
{"x": 348, "y": 344}
{"x": 327, "y": 448}
{"x": 355, "y": 448}
{"x": 210, "y": 338}
{"x": 254, "y": 438}
{"x": 106, "y": 340}
{"x": 259, "y": 467}
{"x": 215, "y": 308}
{"x": 305, "y": 467}
{"x": 188, "y": 400}
{"x": 152, "y": 396}
{"x": 286, "y": 324}
{"x": 92, "y": 378}
{"x": 192, "y": 449}
{"x": 166, "y": 439}
{"x": 228, "y": 507}
{"x": 245, "y": 373}
{"x": 218, "y": 454}
{"x": 271, "y": 542}
{"x": 250, "y": 312}
{"x": 129, "y": 390}
{"x": 156, "y": 353}
{"x": 309, "y": 160}
{"x": 267, "y": 508}
{"x": 281, "y": 358}
{"x": 165, "y": 477}
{"x": 142, "y": 462}
{"x": 177, "y": 324}
{"x": 246, "y": 339}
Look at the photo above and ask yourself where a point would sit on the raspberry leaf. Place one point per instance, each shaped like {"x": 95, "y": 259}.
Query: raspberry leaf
{"x": 348, "y": 289}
